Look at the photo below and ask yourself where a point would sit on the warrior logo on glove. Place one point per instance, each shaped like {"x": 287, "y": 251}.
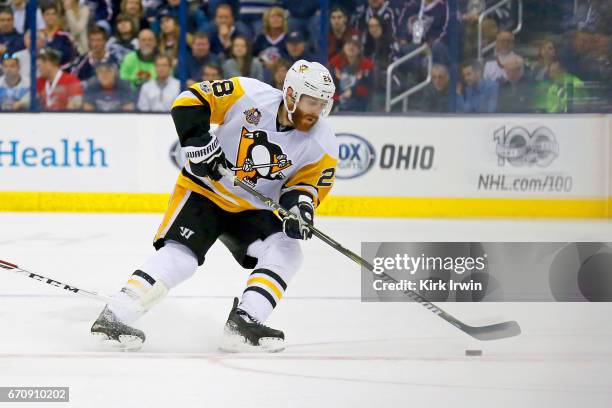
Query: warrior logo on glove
{"x": 259, "y": 158}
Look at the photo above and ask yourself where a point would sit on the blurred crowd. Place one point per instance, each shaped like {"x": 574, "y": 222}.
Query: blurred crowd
{"x": 122, "y": 55}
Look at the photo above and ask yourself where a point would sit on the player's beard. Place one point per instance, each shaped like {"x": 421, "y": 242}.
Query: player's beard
{"x": 303, "y": 121}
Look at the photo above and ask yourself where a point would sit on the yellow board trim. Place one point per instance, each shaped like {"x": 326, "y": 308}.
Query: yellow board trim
{"x": 267, "y": 283}
{"x": 426, "y": 207}
{"x": 443, "y": 207}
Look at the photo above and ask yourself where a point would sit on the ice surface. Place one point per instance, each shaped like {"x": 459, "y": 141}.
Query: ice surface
{"x": 340, "y": 352}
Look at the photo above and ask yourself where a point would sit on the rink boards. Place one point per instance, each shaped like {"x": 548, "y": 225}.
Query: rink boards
{"x": 476, "y": 166}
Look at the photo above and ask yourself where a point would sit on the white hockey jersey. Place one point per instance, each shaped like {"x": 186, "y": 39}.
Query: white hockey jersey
{"x": 272, "y": 161}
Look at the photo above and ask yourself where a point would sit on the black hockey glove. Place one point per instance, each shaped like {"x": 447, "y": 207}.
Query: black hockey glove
{"x": 297, "y": 225}
{"x": 205, "y": 160}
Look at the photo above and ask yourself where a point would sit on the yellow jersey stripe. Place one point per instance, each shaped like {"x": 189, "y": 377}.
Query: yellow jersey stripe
{"x": 311, "y": 175}
{"x": 177, "y": 196}
{"x": 220, "y": 95}
{"x": 186, "y": 101}
{"x": 221, "y": 202}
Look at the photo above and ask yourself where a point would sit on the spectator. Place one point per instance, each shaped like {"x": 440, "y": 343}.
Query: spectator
{"x": 224, "y": 30}
{"x": 54, "y": 37}
{"x": 279, "y": 72}
{"x": 150, "y": 7}
{"x": 352, "y": 75}
{"x": 564, "y": 89}
{"x": 593, "y": 16}
{"x": 200, "y": 55}
{"x": 436, "y": 96}
{"x": 398, "y": 7}
{"x": 379, "y": 46}
{"x": 85, "y": 66}
{"x": 169, "y": 37}
{"x": 505, "y": 16}
{"x": 157, "y": 95}
{"x": 515, "y": 95}
{"x": 480, "y": 94}
{"x": 196, "y": 20}
{"x": 547, "y": 54}
{"x": 77, "y": 19}
{"x": 252, "y": 13}
{"x": 211, "y": 7}
{"x": 24, "y": 55}
{"x": 134, "y": 10}
{"x": 56, "y": 89}
{"x": 139, "y": 66}
{"x": 380, "y": 8}
{"x": 242, "y": 62}
{"x": 339, "y": 31}
{"x": 102, "y": 13}
{"x": 19, "y": 17}
{"x": 425, "y": 22}
{"x": 10, "y": 39}
{"x": 382, "y": 50}
{"x": 124, "y": 41}
{"x": 14, "y": 88}
{"x": 470, "y": 11}
{"x": 504, "y": 46}
{"x": 270, "y": 44}
{"x": 588, "y": 55}
{"x": 212, "y": 72}
{"x": 106, "y": 92}
{"x": 304, "y": 16}
{"x": 296, "y": 48}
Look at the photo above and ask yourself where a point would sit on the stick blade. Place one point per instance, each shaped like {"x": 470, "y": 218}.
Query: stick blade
{"x": 494, "y": 331}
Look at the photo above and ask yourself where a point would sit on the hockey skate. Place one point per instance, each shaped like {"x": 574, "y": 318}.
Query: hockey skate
{"x": 112, "y": 331}
{"x": 243, "y": 333}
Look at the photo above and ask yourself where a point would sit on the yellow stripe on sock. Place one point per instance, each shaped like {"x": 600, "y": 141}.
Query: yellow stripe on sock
{"x": 268, "y": 283}
{"x": 136, "y": 283}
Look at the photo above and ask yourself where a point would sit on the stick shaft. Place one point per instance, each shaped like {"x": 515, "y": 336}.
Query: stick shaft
{"x": 57, "y": 284}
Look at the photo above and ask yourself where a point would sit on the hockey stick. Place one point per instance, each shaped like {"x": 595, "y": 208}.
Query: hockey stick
{"x": 257, "y": 166}
{"x": 489, "y": 332}
{"x": 72, "y": 289}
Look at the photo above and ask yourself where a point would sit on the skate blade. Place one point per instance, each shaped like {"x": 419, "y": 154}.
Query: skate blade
{"x": 233, "y": 343}
{"x": 125, "y": 342}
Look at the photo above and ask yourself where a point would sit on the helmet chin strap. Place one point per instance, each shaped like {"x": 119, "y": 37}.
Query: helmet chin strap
{"x": 290, "y": 111}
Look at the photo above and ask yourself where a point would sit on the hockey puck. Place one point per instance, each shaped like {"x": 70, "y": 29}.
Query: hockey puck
{"x": 473, "y": 352}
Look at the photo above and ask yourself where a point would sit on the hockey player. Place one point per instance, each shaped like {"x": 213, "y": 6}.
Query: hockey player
{"x": 277, "y": 142}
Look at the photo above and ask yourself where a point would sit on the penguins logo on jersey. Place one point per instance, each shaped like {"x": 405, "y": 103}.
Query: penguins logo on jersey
{"x": 259, "y": 158}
